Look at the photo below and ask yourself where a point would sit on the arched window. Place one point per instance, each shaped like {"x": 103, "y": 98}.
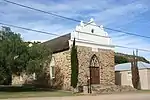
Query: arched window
{"x": 94, "y": 61}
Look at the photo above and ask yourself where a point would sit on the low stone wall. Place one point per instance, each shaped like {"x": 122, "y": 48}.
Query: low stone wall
{"x": 109, "y": 89}
{"x": 22, "y": 79}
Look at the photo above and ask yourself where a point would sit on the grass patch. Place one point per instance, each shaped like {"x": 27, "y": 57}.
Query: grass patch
{"x": 5, "y": 95}
{"x": 143, "y": 91}
{"x": 24, "y": 91}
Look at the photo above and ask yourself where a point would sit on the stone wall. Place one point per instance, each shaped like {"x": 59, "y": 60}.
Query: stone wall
{"x": 62, "y": 70}
{"x": 17, "y": 80}
{"x": 98, "y": 89}
{"x": 22, "y": 79}
{"x": 106, "y": 64}
{"x": 63, "y": 67}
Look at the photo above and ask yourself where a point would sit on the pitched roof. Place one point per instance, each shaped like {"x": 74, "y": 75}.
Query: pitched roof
{"x": 59, "y": 44}
{"x": 127, "y": 66}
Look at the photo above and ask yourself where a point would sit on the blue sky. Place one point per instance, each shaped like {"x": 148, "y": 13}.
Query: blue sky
{"x": 128, "y": 15}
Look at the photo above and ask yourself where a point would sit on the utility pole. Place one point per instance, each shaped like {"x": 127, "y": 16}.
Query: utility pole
{"x": 136, "y": 52}
{"x": 135, "y": 71}
{"x": 136, "y": 58}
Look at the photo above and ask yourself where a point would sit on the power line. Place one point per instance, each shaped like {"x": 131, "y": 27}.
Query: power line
{"x": 75, "y": 20}
{"x": 29, "y": 29}
{"x": 42, "y": 32}
{"x": 129, "y": 33}
{"x": 119, "y": 46}
{"x": 41, "y": 11}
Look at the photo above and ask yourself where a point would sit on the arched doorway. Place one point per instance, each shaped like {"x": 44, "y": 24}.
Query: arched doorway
{"x": 94, "y": 70}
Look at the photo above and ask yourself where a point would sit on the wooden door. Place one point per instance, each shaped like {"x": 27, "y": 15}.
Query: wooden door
{"x": 94, "y": 70}
{"x": 95, "y": 76}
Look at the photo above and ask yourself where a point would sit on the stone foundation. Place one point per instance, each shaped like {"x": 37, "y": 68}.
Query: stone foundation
{"x": 98, "y": 89}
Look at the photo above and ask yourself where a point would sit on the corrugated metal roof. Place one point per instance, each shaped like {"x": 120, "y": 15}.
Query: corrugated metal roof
{"x": 127, "y": 66}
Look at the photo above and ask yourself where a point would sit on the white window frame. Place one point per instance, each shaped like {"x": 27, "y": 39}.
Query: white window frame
{"x": 52, "y": 65}
{"x": 53, "y": 71}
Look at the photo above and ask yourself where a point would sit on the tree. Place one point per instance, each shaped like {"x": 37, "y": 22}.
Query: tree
{"x": 38, "y": 55}
{"x": 74, "y": 66}
{"x": 11, "y": 47}
{"x": 135, "y": 73}
{"x": 17, "y": 57}
{"x": 120, "y": 59}
{"x": 125, "y": 58}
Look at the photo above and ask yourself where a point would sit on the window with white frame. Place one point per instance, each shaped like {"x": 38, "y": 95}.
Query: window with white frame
{"x": 52, "y": 68}
{"x": 53, "y": 71}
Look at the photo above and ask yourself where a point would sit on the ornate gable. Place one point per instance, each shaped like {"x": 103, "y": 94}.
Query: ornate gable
{"x": 91, "y": 35}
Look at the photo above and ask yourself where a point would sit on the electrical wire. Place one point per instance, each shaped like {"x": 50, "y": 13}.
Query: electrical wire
{"x": 75, "y": 20}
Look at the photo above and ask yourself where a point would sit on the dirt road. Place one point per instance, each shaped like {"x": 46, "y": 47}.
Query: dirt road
{"x": 131, "y": 96}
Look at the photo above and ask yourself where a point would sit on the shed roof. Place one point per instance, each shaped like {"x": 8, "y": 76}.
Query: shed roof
{"x": 127, "y": 66}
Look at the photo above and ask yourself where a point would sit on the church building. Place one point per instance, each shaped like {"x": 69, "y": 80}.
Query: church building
{"x": 95, "y": 56}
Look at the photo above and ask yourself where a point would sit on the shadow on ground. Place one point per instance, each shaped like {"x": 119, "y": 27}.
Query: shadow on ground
{"x": 23, "y": 89}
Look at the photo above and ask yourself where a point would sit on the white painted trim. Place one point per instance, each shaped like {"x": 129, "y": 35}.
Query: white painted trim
{"x": 85, "y": 37}
{"x": 92, "y": 45}
{"x": 52, "y": 63}
{"x": 92, "y": 34}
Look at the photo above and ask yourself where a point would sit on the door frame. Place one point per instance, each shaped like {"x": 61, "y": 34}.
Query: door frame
{"x": 94, "y": 62}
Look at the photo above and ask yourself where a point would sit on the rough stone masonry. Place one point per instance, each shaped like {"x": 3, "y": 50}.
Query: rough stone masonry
{"x": 63, "y": 64}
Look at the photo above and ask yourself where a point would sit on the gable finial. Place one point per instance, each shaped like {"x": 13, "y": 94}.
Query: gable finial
{"x": 102, "y": 27}
{"x": 81, "y": 23}
{"x": 91, "y": 20}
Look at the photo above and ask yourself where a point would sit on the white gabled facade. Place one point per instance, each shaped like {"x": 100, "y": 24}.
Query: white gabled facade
{"x": 91, "y": 35}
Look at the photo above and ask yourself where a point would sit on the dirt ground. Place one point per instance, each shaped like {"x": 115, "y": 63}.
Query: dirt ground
{"x": 125, "y": 96}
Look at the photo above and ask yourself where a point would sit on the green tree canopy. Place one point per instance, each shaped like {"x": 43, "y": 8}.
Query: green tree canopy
{"x": 120, "y": 59}
{"x": 16, "y": 56}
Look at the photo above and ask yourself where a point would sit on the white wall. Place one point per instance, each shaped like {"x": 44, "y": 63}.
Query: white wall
{"x": 148, "y": 77}
{"x": 92, "y": 37}
{"x": 126, "y": 79}
{"x": 84, "y": 36}
{"x": 143, "y": 79}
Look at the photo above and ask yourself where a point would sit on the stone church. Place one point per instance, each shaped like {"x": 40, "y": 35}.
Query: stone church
{"x": 95, "y": 56}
